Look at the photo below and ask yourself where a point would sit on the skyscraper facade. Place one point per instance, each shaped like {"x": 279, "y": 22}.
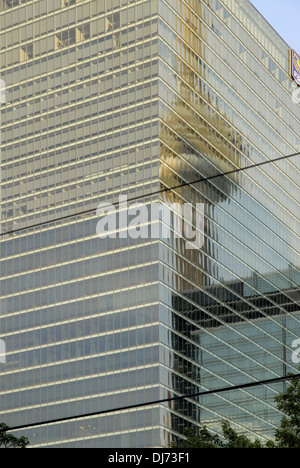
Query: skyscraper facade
{"x": 141, "y": 99}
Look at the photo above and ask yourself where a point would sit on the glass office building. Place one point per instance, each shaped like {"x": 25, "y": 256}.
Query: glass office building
{"x": 135, "y": 97}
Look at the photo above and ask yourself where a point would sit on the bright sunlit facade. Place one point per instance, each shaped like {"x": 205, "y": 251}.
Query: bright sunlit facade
{"x": 129, "y": 97}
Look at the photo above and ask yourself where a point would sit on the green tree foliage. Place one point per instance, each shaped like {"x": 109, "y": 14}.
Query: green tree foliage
{"x": 234, "y": 440}
{"x": 10, "y": 441}
{"x": 204, "y": 439}
{"x": 286, "y": 436}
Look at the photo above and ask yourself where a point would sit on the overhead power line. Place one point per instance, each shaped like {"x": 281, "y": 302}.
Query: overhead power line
{"x": 156, "y": 402}
{"x": 158, "y": 192}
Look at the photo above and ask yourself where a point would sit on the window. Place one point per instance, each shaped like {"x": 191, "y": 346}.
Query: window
{"x": 26, "y": 52}
{"x": 72, "y": 36}
{"x": 5, "y": 4}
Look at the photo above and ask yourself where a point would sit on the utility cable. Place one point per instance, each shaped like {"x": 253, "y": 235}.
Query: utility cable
{"x": 158, "y": 192}
{"x": 157, "y": 402}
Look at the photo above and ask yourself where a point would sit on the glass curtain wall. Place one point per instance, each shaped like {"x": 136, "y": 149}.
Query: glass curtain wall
{"x": 120, "y": 97}
{"x": 79, "y": 314}
{"x": 232, "y": 307}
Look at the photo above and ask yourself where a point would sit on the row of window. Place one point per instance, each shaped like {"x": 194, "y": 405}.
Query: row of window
{"x": 30, "y": 10}
{"x": 89, "y": 113}
{"x": 61, "y": 392}
{"x": 78, "y": 348}
{"x": 80, "y": 370}
{"x": 81, "y": 208}
{"x": 113, "y": 139}
{"x": 99, "y": 433}
{"x": 194, "y": 103}
{"x": 246, "y": 25}
{"x": 218, "y": 66}
{"x": 40, "y": 147}
{"x": 83, "y": 329}
{"x": 79, "y": 58}
{"x": 89, "y": 78}
{"x": 272, "y": 201}
{"x": 134, "y": 298}
{"x": 78, "y": 290}
{"x": 55, "y": 197}
{"x": 212, "y": 269}
{"x": 81, "y": 155}
{"x": 71, "y": 271}
{"x": 74, "y": 35}
{"x": 73, "y": 19}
